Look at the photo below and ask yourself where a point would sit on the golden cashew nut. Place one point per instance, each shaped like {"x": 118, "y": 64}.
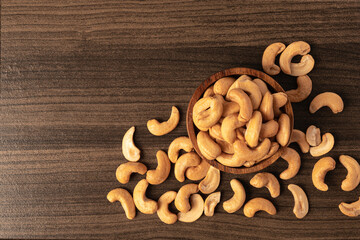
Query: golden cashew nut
{"x": 300, "y": 138}
{"x": 162, "y": 171}
{"x": 211, "y": 182}
{"x": 324, "y": 147}
{"x": 303, "y": 90}
{"x": 210, "y": 203}
{"x": 246, "y": 108}
{"x": 269, "y": 129}
{"x": 267, "y": 107}
{"x": 240, "y": 134}
{"x": 302, "y": 68}
{"x": 295, "y": 48}
{"x": 267, "y": 180}
{"x": 283, "y": 135}
{"x": 313, "y": 136}
{"x": 163, "y": 210}
{"x": 268, "y": 59}
{"x": 327, "y": 99}
{"x": 279, "y": 99}
{"x": 129, "y": 150}
{"x": 198, "y": 172}
{"x": 209, "y": 92}
{"x": 250, "y": 88}
{"x": 321, "y": 167}
{"x": 273, "y": 149}
{"x": 225, "y": 146}
{"x": 230, "y": 108}
{"x": 350, "y": 209}
{"x": 228, "y": 127}
{"x": 208, "y": 148}
{"x": 258, "y": 204}
{"x": 182, "y": 198}
{"x": 294, "y": 161}
{"x": 124, "y": 171}
{"x": 238, "y": 199}
{"x": 184, "y": 162}
{"x": 262, "y": 86}
{"x": 159, "y": 129}
{"x": 215, "y": 132}
{"x": 222, "y": 85}
{"x": 197, "y": 209}
{"x": 180, "y": 143}
{"x": 207, "y": 112}
{"x": 126, "y": 200}
{"x": 252, "y": 132}
{"x": 352, "y": 179}
{"x": 301, "y": 207}
{"x": 142, "y": 203}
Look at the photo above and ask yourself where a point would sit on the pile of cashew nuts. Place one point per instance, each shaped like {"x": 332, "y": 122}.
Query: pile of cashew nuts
{"x": 240, "y": 124}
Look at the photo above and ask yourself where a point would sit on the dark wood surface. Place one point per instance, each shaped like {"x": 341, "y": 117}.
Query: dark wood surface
{"x": 75, "y": 75}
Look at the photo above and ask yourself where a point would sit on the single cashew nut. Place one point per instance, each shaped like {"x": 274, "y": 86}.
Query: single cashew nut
{"x": 294, "y": 161}
{"x": 352, "y": 179}
{"x": 350, "y": 209}
{"x": 176, "y": 145}
{"x": 197, "y": 209}
{"x": 184, "y": 162}
{"x": 210, "y": 203}
{"x": 209, "y": 92}
{"x": 230, "y": 108}
{"x": 268, "y": 59}
{"x": 207, "y": 112}
{"x": 283, "y": 135}
{"x": 215, "y": 132}
{"x": 211, "y": 182}
{"x": 208, "y": 148}
{"x": 295, "y": 48}
{"x": 327, "y": 99}
{"x": 228, "y": 127}
{"x": 129, "y": 150}
{"x": 126, "y": 200}
{"x": 262, "y": 86}
{"x": 279, "y": 99}
{"x": 240, "y": 134}
{"x": 222, "y": 85}
{"x": 238, "y": 199}
{"x": 124, "y": 171}
{"x": 267, "y": 180}
{"x": 301, "y": 207}
{"x": 249, "y": 87}
{"x": 267, "y": 107}
{"x": 313, "y": 136}
{"x": 273, "y": 149}
{"x": 253, "y": 129}
{"x": 269, "y": 129}
{"x": 303, "y": 90}
{"x": 302, "y": 68}
{"x": 144, "y": 204}
{"x": 225, "y": 146}
{"x": 162, "y": 171}
{"x": 324, "y": 147}
{"x": 321, "y": 167}
{"x": 198, "y": 172}
{"x": 182, "y": 198}
{"x": 246, "y": 108}
{"x": 300, "y": 138}
{"x": 159, "y": 129}
{"x": 163, "y": 208}
{"x": 258, "y": 204}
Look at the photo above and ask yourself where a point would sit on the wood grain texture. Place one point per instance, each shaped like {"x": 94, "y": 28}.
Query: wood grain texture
{"x": 75, "y": 75}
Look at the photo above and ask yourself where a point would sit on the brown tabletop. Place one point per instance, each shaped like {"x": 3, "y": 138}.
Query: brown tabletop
{"x": 75, "y": 75}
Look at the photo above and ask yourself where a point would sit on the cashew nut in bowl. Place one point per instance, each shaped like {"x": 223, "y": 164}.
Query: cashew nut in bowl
{"x": 303, "y": 90}
{"x": 321, "y": 167}
{"x": 300, "y": 138}
{"x": 222, "y": 85}
{"x": 273, "y": 149}
{"x": 350, "y": 209}
{"x": 184, "y": 162}
{"x": 267, "y": 107}
{"x": 327, "y": 99}
{"x": 215, "y": 132}
{"x": 241, "y": 98}
{"x": 324, "y": 147}
{"x": 240, "y": 134}
{"x": 267, "y": 180}
{"x": 162, "y": 171}
{"x": 182, "y": 198}
{"x": 159, "y": 129}
{"x": 209, "y": 92}
{"x": 207, "y": 112}
{"x": 279, "y": 99}
{"x": 208, "y": 148}
{"x": 211, "y": 182}
{"x": 238, "y": 199}
{"x": 269, "y": 129}
{"x": 163, "y": 208}
{"x": 124, "y": 171}
{"x": 198, "y": 172}
{"x": 230, "y": 108}
{"x": 142, "y": 203}
{"x": 295, "y": 48}
{"x": 262, "y": 86}
{"x": 258, "y": 204}
{"x": 197, "y": 209}
{"x": 283, "y": 135}
{"x": 176, "y": 145}
{"x": 228, "y": 127}
{"x": 268, "y": 58}
{"x": 313, "y": 136}
{"x": 210, "y": 203}
{"x": 129, "y": 150}
{"x": 225, "y": 146}
{"x": 301, "y": 207}
{"x": 294, "y": 161}
{"x": 252, "y": 132}
{"x": 126, "y": 200}
{"x": 249, "y": 87}
{"x": 352, "y": 179}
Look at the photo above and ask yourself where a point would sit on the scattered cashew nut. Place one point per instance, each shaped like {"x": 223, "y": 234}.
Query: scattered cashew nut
{"x": 163, "y": 208}
{"x": 324, "y": 147}
{"x": 268, "y": 59}
{"x": 322, "y": 166}
{"x": 300, "y": 138}
{"x": 301, "y": 207}
{"x": 211, "y": 182}
{"x": 327, "y": 99}
{"x": 124, "y": 171}
{"x": 184, "y": 162}
{"x": 176, "y": 145}
{"x": 197, "y": 209}
{"x": 210, "y": 203}
{"x": 144, "y": 204}
{"x": 303, "y": 90}
{"x": 182, "y": 198}
{"x": 162, "y": 171}
{"x": 352, "y": 179}
{"x": 159, "y": 129}
{"x": 129, "y": 150}
{"x": 222, "y": 85}
{"x": 198, "y": 172}
{"x": 238, "y": 199}
{"x": 208, "y": 148}
{"x": 313, "y": 136}
{"x": 350, "y": 209}
{"x": 295, "y": 48}
{"x": 258, "y": 204}
{"x": 283, "y": 135}
{"x": 126, "y": 200}
{"x": 294, "y": 161}
{"x": 267, "y": 180}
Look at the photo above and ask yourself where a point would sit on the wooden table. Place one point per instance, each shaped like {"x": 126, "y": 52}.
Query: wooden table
{"x": 75, "y": 75}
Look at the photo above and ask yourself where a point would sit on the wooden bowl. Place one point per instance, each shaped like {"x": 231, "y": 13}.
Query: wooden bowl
{"x": 198, "y": 94}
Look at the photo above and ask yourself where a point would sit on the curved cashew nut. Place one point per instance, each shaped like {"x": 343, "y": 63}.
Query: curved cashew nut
{"x": 321, "y": 167}
{"x": 207, "y": 112}
{"x": 267, "y": 180}
{"x": 268, "y": 59}
{"x": 124, "y": 171}
{"x": 240, "y": 134}
{"x": 303, "y": 90}
{"x": 253, "y": 129}
{"x": 215, "y": 132}
{"x": 249, "y": 87}
{"x": 279, "y": 99}
{"x": 159, "y": 129}
{"x": 313, "y": 136}
{"x": 197, "y": 209}
{"x": 350, "y": 209}
{"x": 126, "y": 200}
{"x": 225, "y": 146}
{"x": 144, "y": 204}
{"x": 129, "y": 150}
{"x": 352, "y": 179}
{"x": 211, "y": 182}
{"x": 273, "y": 149}
{"x": 302, "y": 68}
{"x": 209, "y": 92}
{"x": 162, "y": 171}
{"x": 228, "y": 126}
{"x": 184, "y": 162}
{"x": 269, "y": 129}
{"x": 283, "y": 135}
{"x": 230, "y": 108}
{"x": 222, "y": 85}
{"x": 176, "y": 145}
{"x": 294, "y": 161}
{"x": 198, "y": 172}
{"x": 300, "y": 138}
{"x": 328, "y": 99}
{"x": 238, "y": 199}
{"x": 267, "y": 107}
{"x": 324, "y": 147}
{"x": 258, "y": 204}
{"x": 301, "y": 207}
{"x": 163, "y": 210}
{"x": 295, "y": 48}
{"x": 262, "y": 86}
{"x": 246, "y": 108}
{"x": 210, "y": 203}
{"x": 208, "y": 148}
{"x": 182, "y": 198}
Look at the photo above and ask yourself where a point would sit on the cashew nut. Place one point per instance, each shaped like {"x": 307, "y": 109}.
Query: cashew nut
{"x": 162, "y": 171}
{"x": 238, "y": 199}
{"x": 124, "y": 171}
{"x": 126, "y": 200}
{"x": 273, "y": 149}
{"x": 207, "y": 112}
{"x": 313, "y": 136}
{"x": 322, "y": 166}
{"x": 283, "y": 135}
{"x": 267, "y": 180}
{"x": 209, "y": 92}
{"x": 129, "y": 150}
{"x": 184, "y": 162}
{"x": 228, "y": 126}
{"x": 249, "y": 87}
{"x": 300, "y": 138}
{"x": 253, "y": 129}
{"x": 352, "y": 179}
{"x": 262, "y": 86}
{"x": 240, "y": 133}
{"x": 279, "y": 99}
{"x": 182, "y": 198}
{"x": 208, "y": 148}
{"x": 225, "y": 146}
{"x": 269, "y": 129}
{"x": 268, "y": 59}
{"x": 303, "y": 90}
{"x": 294, "y": 161}
{"x": 197, "y": 209}
{"x": 327, "y": 99}
{"x": 258, "y": 204}
{"x": 211, "y": 182}
{"x": 302, "y": 68}
{"x": 267, "y": 107}
{"x": 324, "y": 147}
{"x": 215, "y": 132}
{"x": 295, "y": 48}
{"x": 230, "y": 108}
{"x": 159, "y": 129}
{"x": 144, "y": 204}
{"x": 222, "y": 85}
{"x": 301, "y": 206}
{"x": 198, "y": 172}
{"x": 176, "y": 145}
{"x": 163, "y": 208}
{"x": 350, "y": 209}
{"x": 246, "y": 108}
{"x": 210, "y": 203}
